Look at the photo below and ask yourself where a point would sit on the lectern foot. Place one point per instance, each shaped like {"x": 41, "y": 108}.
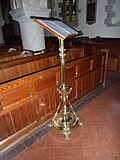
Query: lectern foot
{"x": 81, "y": 124}
{"x": 67, "y": 137}
{"x": 50, "y": 124}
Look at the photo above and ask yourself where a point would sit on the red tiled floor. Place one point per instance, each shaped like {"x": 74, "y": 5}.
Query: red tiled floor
{"x": 97, "y": 139}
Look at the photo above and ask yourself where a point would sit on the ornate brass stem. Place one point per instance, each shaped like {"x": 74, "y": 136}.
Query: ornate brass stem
{"x": 62, "y": 61}
{"x": 65, "y": 118}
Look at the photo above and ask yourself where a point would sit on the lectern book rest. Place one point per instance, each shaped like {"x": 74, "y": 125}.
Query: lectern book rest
{"x": 56, "y": 27}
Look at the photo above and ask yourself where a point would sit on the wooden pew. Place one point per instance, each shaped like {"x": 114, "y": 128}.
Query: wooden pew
{"x": 31, "y": 99}
{"x": 14, "y": 65}
{"x": 16, "y": 45}
{"x": 112, "y": 44}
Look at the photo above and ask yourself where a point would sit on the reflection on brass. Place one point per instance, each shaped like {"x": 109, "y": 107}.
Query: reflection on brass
{"x": 65, "y": 118}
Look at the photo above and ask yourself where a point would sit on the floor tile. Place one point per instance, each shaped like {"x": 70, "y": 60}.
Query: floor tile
{"x": 97, "y": 139}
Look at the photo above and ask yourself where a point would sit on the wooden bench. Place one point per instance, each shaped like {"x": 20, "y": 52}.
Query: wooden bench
{"x": 113, "y": 46}
{"x": 28, "y": 90}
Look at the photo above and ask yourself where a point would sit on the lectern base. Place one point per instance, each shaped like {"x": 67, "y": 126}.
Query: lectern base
{"x": 66, "y": 129}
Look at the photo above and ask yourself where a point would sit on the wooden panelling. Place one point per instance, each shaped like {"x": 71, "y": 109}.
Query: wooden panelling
{"x": 41, "y": 106}
{"x": 75, "y": 53}
{"x": 82, "y": 68}
{"x": 45, "y": 83}
{"x": 111, "y": 44}
{"x": 8, "y": 124}
{"x": 97, "y": 61}
{"x": 37, "y": 110}
{"x": 70, "y": 72}
{"x": 3, "y": 133}
{"x": 16, "y": 119}
{"x": 14, "y": 95}
{"x": 118, "y": 65}
{"x": 112, "y": 64}
{"x": 30, "y": 101}
{"x": 23, "y": 115}
{"x": 30, "y": 112}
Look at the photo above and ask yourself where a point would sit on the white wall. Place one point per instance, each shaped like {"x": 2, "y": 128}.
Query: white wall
{"x": 98, "y": 28}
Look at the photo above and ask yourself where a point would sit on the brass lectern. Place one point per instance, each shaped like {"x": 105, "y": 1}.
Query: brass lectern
{"x": 65, "y": 118}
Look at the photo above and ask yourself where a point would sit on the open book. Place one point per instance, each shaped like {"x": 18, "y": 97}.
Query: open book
{"x": 56, "y": 27}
